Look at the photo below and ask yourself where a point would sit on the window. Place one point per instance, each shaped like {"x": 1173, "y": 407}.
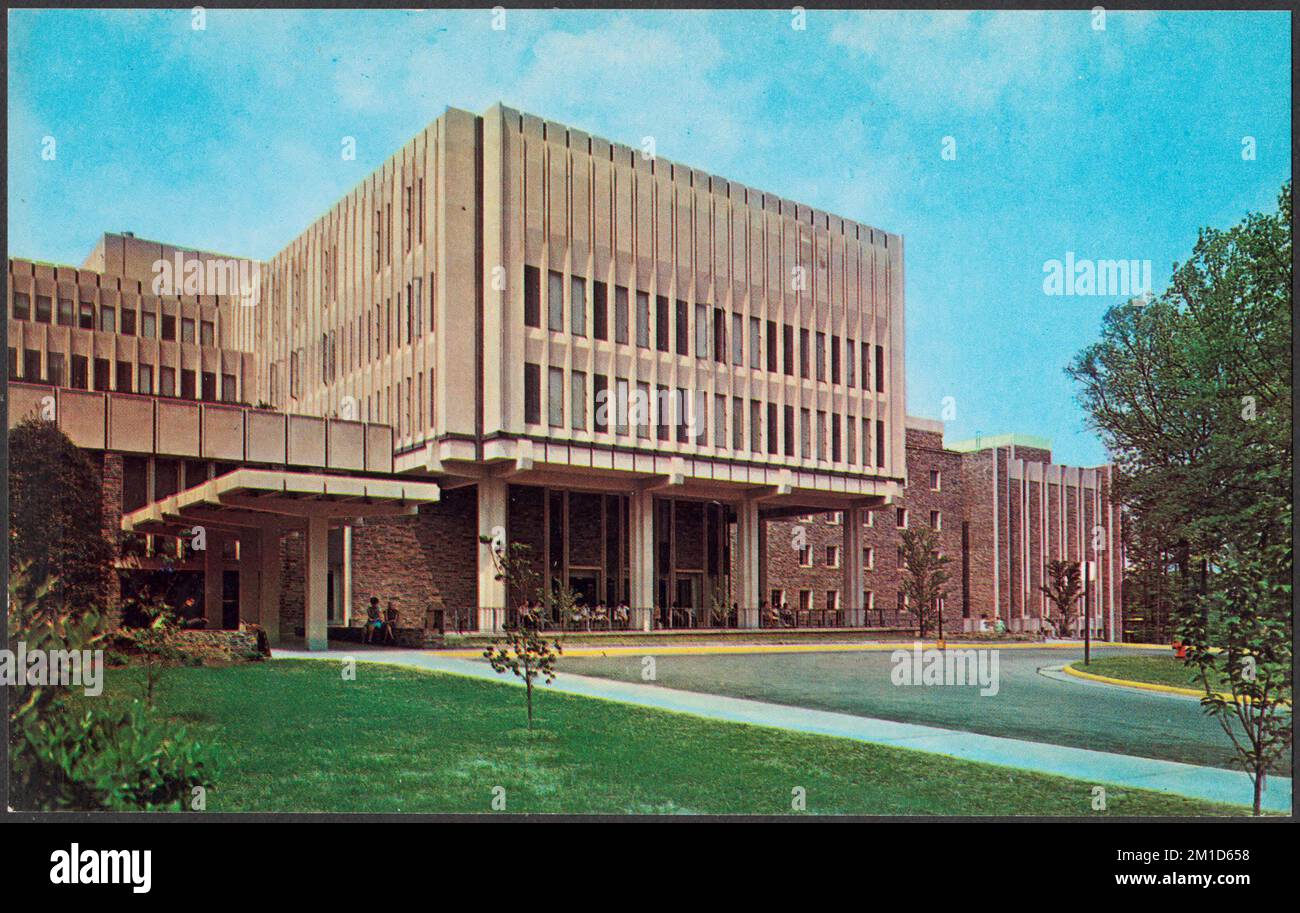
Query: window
{"x": 805, "y": 556}
{"x": 661, "y": 323}
{"x": 871, "y": 518}
{"x": 620, "y": 315}
{"x": 600, "y": 311}
{"x": 102, "y": 369}
{"x": 821, "y": 357}
{"x": 805, "y": 434}
{"x": 936, "y": 520}
{"x": 44, "y": 309}
{"x": 835, "y": 438}
{"x": 772, "y": 442}
{"x": 144, "y": 379}
{"x": 868, "y": 556}
{"x": 187, "y": 329}
{"x": 86, "y": 317}
{"x": 866, "y": 366}
{"x": 209, "y": 386}
{"x": 228, "y": 388}
{"x": 578, "y": 306}
{"x": 835, "y": 359}
{"x": 701, "y": 331}
{"x": 128, "y": 320}
{"x": 167, "y": 381}
{"x": 832, "y": 556}
{"x": 80, "y": 369}
{"x": 683, "y": 329}
{"x": 555, "y": 397}
{"x": 788, "y": 430}
{"x": 643, "y": 320}
{"x": 600, "y": 396}
{"x": 207, "y": 333}
{"x": 832, "y": 600}
{"x": 778, "y": 598}
{"x": 532, "y": 297}
{"x": 719, "y": 336}
{"x": 868, "y": 600}
{"x": 169, "y": 327}
{"x": 804, "y": 354}
{"x": 54, "y": 368}
{"x": 835, "y": 518}
{"x": 555, "y": 302}
{"x": 755, "y": 340}
{"x": 22, "y": 307}
{"x": 805, "y": 600}
{"x": 700, "y": 417}
{"x": 682, "y": 405}
{"x": 934, "y": 480}
{"x": 737, "y": 423}
{"x": 32, "y": 365}
{"x": 662, "y": 413}
{"x": 620, "y": 406}
{"x": 123, "y": 377}
{"x": 821, "y": 434}
{"x": 900, "y": 517}
{"x": 851, "y": 428}
{"x": 737, "y": 339}
{"x": 107, "y": 319}
{"x": 532, "y": 394}
{"x": 578, "y": 400}
{"x": 880, "y": 442}
{"x": 849, "y": 361}
{"x": 880, "y": 369}
{"x": 719, "y": 420}
{"x": 755, "y": 426}
{"x": 67, "y": 314}
{"x": 771, "y": 346}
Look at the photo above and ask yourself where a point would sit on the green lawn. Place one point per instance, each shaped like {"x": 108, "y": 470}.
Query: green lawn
{"x": 1155, "y": 670}
{"x": 295, "y": 736}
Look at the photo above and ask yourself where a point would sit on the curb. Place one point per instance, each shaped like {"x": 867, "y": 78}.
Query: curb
{"x": 1069, "y": 669}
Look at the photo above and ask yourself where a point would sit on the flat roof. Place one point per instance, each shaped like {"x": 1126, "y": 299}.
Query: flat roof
{"x": 988, "y": 441}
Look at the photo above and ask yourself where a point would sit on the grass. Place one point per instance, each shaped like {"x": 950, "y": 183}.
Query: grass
{"x": 296, "y": 736}
{"x": 1154, "y": 670}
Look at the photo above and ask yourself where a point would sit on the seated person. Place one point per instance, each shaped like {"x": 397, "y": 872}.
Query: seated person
{"x": 374, "y": 624}
{"x": 622, "y": 613}
{"x": 391, "y": 617}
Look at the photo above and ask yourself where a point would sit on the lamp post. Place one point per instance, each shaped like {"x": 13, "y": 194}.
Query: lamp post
{"x": 1087, "y": 618}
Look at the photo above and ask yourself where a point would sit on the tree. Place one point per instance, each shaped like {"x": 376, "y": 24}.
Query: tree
{"x": 523, "y": 650}
{"x": 56, "y": 515}
{"x": 1191, "y": 392}
{"x": 1063, "y": 588}
{"x": 925, "y": 577}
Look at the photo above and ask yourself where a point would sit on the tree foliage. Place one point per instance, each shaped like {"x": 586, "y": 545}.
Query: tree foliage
{"x": 925, "y": 574}
{"x": 1063, "y": 589}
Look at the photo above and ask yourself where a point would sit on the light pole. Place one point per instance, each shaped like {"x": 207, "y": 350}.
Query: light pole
{"x": 1087, "y": 618}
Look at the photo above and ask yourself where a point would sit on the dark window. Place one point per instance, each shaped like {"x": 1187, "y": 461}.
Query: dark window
{"x": 663, "y": 409}
{"x": 207, "y": 333}
{"x": 54, "y": 368}
{"x": 532, "y": 393}
{"x": 102, "y": 370}
{"x": 44, "y": 309}
{"x": 124, "y": 377}
{"x": 128, "y": 321}
{"x": 228, "y": 388}
{"x": 86, "y": 316}
{"x": 135, "y": 482}
{"x": 620, "y": 315}
{"x": 683, "y": 329}
{"x": 13, "y": 363}
{"x": 788, "y": 428}
{"x": 169, "y": 327}
{"x": 880, "y": 369}
{"x": 600, "y": 397}
{"x": 661, "y": 323}
{"x": 835, "y": 359}
{"x": 67, "y": 314}
{"x": 682, "y": 404}
{"x": 787, "y": 348}
{"x": 719, "y": 335}
{"x": 187, "y": 383}
{"x": 555, "y": 301}
{"x": 209, "y": 386}
{"x": 866, "y": 366}
{"x": 22, "y": 306}
{"x": 880, "y": 442}
{"x": 32, "y": 366}
{"x": 835, "y": 438}
{"x": 772, "y": 442}
{"x": 771, "y": 346}
{"x": 600, "y": 311}
{"x": 80, "y": 367}
{"x": 804, "y": 355}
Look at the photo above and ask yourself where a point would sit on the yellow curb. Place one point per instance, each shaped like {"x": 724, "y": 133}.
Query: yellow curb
{"x": 1069, "y": 669}
{"x": 723, "y": 649}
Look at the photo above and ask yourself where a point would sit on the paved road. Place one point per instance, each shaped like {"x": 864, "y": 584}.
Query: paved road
{"x": 1028, "y": 705}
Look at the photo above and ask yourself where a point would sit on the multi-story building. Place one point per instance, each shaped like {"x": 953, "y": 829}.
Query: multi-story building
{"x": 631, "y": 365}
{"x": 1003, "y": 510}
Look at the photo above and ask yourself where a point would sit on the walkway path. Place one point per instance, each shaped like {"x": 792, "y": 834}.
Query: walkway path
{"x": 1208, "y": 783}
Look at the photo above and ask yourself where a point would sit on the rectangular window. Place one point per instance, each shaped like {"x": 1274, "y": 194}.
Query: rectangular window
{"x": 682, "y": 406}
{"x": 169, "y": 327}
{"x": 850, "y": 349}
{"x": 600, "y": 396}
{"x": 663, "y": 411}
{"x": 187, "y": 329}
{"x": 805, "y": 434}
{"x": 934, "y": 480}
{"x": 719, "y": 420}
{"x": 532, "y": 297}
{"x": 804, "y": 355}
{"x": 167, "y": 381}
{"x": 661, "y": 323}
{"x": 719, "y": 335}
{"x": 805, "y": 556}
{"x": 620, "y": 406}
{"x": 207, "y": 333}
{"x": 102, "y": 369}
{"x": 821, "y": 357}
{"x": 787, "y": 349}
{"x": 868, "y": 557}
{"x": 578, "y": 306}
{"x": 900, "y": 517}
{"x": 645, "y": 411}
{"x": 44, "y": 309}
{"x": 771, "y": 346}
{"x": 80, "y": 370}
{"x": 22, "y": 306}
{"x": 148, "y": 324}
{"x": 532, "y": 394}
{"x": 144, "y": 379}
{"x": 620, "y": 315}
{"x": 209, "y": 386}
{"x": 880, "y": 442}
{"x": 866, "y": 442}
{"x": 755, "y": 342}
{"x": 835, "y": 359}
{"x": 123, "y": 378}
{"x": 555, "y": 397}
{"x": 600, "y": 311}
{"x": 737, "y": 423}
{"x": 832, "y": 556}
{"x": 107, "y": 319}
{"x": 67, "y": 314}
{"x": 755, "y": 426}
{"x": 821, "y": 435}
{"x": 555, "y": 301}
{"x": 700, "y": 417}
{"x": 936, "y": 520}
{"x": 128, "y": 321}
{"x": 86, "y": 317}
{"x": 578, "y": 400}
{"x": 737, "y": 339}
{"x": 683, "y": 329}
{"x": 880, "y": 369}
{"x": 851, "y": 436}
{"x": 772, "y": 442}
{"x": 54, "y": 368}
{"x": 643, "y": 320}
{"x": 835, "y": 439}
{"x": 788, "y": 430}
{"x": 228, "y": 393}
{"x": 832, "y": 600}
{"x": 866, "y": 366}
{"x": 701, "y": 331}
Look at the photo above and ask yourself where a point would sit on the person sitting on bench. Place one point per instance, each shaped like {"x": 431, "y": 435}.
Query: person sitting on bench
{"x": 390, "y": 623}
{"x": 374, "y": 624}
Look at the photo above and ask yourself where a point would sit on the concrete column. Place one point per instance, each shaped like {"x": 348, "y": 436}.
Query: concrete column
{"x": 851, "y": 561}
{"x": 213, "y": 565}
{"x": 269, "y": 583}
{"x": 641, "y": 558}
{"x": 763, "y": 588}
{"x": 316, "y": 568}
{"x": 492, "y": 499}
{"x": 250, "y": 573}
{"x": 748, "y": 560}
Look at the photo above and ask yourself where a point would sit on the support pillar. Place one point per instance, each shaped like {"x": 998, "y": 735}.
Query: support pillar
{"x": 269, "y": 584}
{"x": 492, "y": 499}
{"x": 854, "y": 615}
{"x": 641, "y": 564}
{"x": 747, "y": 563}
{"x": 250, "y": 573}
{"x": 316, "y": 569}
{"x": 763, "y": 589}
{"x": 213, "y": 589}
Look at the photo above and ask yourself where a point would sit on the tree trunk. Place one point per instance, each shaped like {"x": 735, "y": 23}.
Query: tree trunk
{"x": 1259, "y": 787}
{"x": 529, "y": 687}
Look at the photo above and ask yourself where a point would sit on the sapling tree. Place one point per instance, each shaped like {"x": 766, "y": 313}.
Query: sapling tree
{"x": 925, "y": 574}
{"x": 1063, "y": 589}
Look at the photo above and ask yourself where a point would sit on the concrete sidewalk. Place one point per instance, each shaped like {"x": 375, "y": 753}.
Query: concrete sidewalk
{"x": 1209, "y": 783}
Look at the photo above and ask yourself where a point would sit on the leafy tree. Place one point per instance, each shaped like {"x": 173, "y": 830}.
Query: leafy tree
{"x": 1191, "y": 392}
{"x": 56, "y": 515}
{"x": 68, "y": 755}
{"x": 1063, "y": 588}
{"x": 925, "y": 577}
{"x": 523, "y": 650}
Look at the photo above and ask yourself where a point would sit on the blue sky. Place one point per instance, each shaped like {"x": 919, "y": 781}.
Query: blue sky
{"x": 1114, "y": 143}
